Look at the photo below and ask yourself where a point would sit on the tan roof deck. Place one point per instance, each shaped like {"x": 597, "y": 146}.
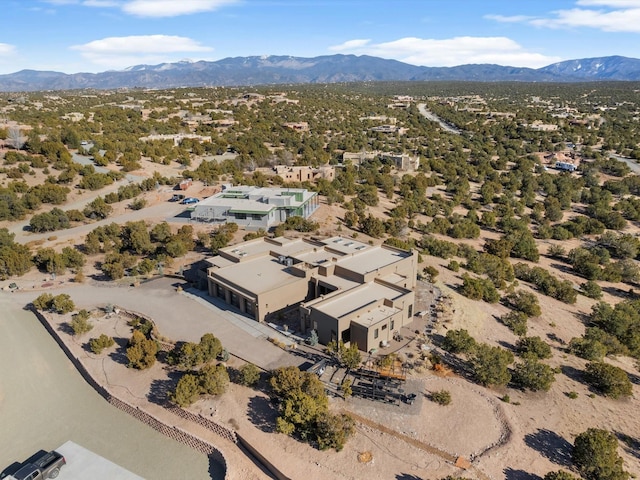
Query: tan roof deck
{"x": 372, "y": 259}
{"x": 374, "y": 316}
{"x": 356, "y": 298}
{"x": 258, "y": 275}
{"x": 346, "y": 245}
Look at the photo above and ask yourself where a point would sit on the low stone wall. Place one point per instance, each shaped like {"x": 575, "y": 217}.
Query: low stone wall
{"x": 206, "y": 423}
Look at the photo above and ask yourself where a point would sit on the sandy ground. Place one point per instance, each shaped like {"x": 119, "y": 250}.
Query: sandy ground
{"x": 520, "y": 440}
{"x": 531, "y": 435}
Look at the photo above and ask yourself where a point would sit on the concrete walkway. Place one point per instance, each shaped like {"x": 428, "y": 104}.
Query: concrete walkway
{"x": 253, "y": 328}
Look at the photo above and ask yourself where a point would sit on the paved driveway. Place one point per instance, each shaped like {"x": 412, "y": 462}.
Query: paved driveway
{"x": 179, "y": 317}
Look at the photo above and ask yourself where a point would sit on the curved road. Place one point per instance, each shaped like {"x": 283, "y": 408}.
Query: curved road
{"x": 422, "y": 108}
{"x": 633, "y": 165}
{"x": 44, "y": 402}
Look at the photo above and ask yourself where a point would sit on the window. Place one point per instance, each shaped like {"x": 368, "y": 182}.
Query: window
{"x": 384, "y": 327}
{"x": 375, "y": 333}
{"x": 393, "y": 322}
{"x": 241, "y": 216}
{"x": 256, "y": 216}
{"x": 346, "y": 335}
{"x": 410, "y": 310}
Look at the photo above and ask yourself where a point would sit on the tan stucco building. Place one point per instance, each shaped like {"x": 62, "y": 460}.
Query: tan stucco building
{"x": 346, "y": 290}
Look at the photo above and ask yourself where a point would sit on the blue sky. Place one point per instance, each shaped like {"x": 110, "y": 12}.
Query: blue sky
{"x": 96, "y": 35}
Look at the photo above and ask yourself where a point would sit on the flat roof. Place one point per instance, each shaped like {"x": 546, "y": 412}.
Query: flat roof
{"x": 236, "y": 204}
{"x": 219, "y": 261}
{"x": 372, "y": 259}
{"x": 281, "y": 246}
{"x": 318, "y": 257}
{"x": 369, "y": 293}
{"x": 394, "y": 278}
{"x": 375, "y": 315}
{"x": 341, "y": 283}
{"x": 346, "y": 245}
{"x": 258, "y": 275}
{"x": 83, "y": 464}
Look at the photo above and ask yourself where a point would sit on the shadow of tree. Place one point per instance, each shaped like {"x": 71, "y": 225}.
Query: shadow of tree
{"x": 161, "y": 389}
{"x": 618, "y": 292}
{"x": 556, "y": 338}
{"x": 119, "y": 354}
{"x": 572, "y": 373}
{"x": 629, "y": 444}
{"x": 550, "y": 445}
{"x": 216, "y": 469}
{"x": 563, "y": 267}
{"x": 634, "y": 378}
{"x": 262, "y": 414}
{"x": 507, "y": 345}
{"x": 407, "y": 476}
{"x": 512, "y": 474}
{"x": 66, "y": 328}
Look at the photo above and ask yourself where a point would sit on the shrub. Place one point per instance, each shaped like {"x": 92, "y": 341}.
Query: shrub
{"x": 141, "y": 352}
{"x": 595, "y": 455}
{"x": 43, "y": 301}
{"x": 533, "y": 375}
{"x": 80, "y": 323}
{"x": 588, "y": 349}
{"x": 248, "y": 375}
{"x": 62, "y": 304}
{"x": 559, "y": 475}
{"x": 441, "y": 397}
{"x": 533, "y": 346}
{"x": 490, "y": 365}
{"x": 525, "y": 302}
{"x": 609, "y": 380}
{"x": 187, "y": 391}
{"x": 333, "y": 431}
{"x": 214, "y": 379}
{"x": 516, "y": 321}
{"x": 458, "y": 341}
{"x": 98, "y": 344}
{"x": 479, "y": 289}
{"x": 591, "y": 289}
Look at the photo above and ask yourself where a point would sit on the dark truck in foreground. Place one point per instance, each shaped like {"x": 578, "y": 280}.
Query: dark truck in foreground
{"x": 39, "y": 467}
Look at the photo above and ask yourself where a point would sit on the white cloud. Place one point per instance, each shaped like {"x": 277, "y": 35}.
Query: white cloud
{"x": 121, "y": 52}
{"x": 62, "y": 2}
{"x": 6, "y": 49}
{"x": 509, "y": 19}
{"x": 610, "y": 3}
{"x": 100, "y": 3}
{"x": 605, "y": 15}
{"x": 614, "y": 21}
{"x": 349, "y": 45}
{"x": 172, "y": 8}
{"x": 451, "y": 52}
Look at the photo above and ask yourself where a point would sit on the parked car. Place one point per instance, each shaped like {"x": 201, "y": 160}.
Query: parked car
{"x": 177, "y": 197}
{"x": 42, "y": 466}
{"x": 189, "y": 200}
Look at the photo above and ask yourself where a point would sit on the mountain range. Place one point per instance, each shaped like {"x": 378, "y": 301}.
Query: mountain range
{"x": 270, "y": 70}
